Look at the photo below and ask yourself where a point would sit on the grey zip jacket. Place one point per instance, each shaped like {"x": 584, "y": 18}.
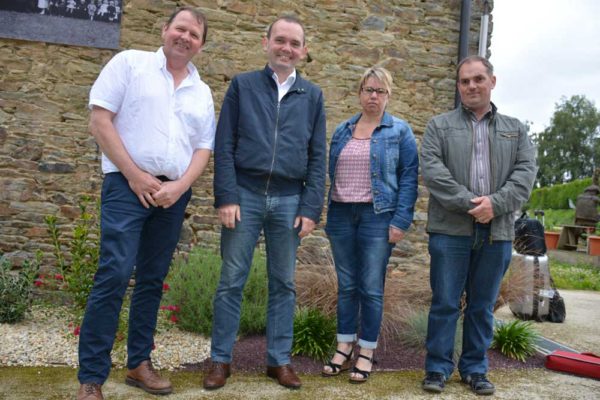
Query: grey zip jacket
{"x": 446, "y": 165}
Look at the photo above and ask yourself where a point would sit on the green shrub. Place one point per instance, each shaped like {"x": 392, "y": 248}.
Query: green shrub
{"x": 414, "y": 331}
{"x": 554, "y": 219}
{"x": 515, "y": 339}
{"x": 80, "y": 263}
{"x": 557, "y": 196}
{"x": 16, "y": 288}
{"x": 575, "y": 277}
{"x": 314, "y": 334}
{"x": 193, "y": 284}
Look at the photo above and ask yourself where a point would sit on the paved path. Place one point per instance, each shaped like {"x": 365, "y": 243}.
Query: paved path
{"x": 581, "y": 329}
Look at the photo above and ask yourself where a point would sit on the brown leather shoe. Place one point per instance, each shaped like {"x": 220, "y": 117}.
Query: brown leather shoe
{"x": 90, "y": 391}
{"x": 285, "y": 375}
{"x": 146, "y": 378}
{"x": 217, "y": 376}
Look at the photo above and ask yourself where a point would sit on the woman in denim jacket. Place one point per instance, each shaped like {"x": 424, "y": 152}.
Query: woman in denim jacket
{"x": 373, "y": 165}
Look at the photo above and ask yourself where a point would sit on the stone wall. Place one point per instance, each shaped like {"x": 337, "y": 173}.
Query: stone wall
{"x": 48, "y": 160}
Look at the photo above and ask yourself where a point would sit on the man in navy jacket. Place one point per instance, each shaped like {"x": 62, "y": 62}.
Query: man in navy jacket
{"x": 269, "y": 175}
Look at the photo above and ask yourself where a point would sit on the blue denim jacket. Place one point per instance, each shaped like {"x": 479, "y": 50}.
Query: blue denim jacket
{"x": 394, "y": 166}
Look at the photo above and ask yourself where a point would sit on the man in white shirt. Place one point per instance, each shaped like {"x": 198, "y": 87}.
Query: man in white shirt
{"x": 154, "y": 121}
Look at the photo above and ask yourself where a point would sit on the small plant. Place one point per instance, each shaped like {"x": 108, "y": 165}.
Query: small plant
{"x": 16, "y": 288}
{"x": 192, "y": 285}
{"x": 414, "y": 330}
{"x": 515, "y": 339}
{"x": 79, "y": 267}
{"x": 314, "y": 334}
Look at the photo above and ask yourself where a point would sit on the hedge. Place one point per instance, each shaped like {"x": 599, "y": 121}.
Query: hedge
{"x": 557, "y": 196}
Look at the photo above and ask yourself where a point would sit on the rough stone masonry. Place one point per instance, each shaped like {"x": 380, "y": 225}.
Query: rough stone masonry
{"x": 48, "y": 160}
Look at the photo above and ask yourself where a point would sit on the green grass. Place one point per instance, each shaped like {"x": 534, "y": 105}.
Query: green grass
{"x": 576, "y": 277}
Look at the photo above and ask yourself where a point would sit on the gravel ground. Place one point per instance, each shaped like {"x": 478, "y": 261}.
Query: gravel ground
{"x": 45, "y": 338}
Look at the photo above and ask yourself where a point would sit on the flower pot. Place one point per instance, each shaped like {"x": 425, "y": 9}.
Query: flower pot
{"x": 594, "y": 245}
{"x": 551, "y": 239}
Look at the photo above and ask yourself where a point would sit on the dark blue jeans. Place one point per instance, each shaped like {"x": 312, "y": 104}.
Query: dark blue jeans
{"x": 130, "y": 235}
{"x": 361, "y": 251}
{"x": 460, "y": 264}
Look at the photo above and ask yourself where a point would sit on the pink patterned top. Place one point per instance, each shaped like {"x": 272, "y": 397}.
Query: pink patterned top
{"x": 352, "y": 182}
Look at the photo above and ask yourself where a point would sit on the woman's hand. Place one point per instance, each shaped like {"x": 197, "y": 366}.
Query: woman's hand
{"x": 395, "y": 235}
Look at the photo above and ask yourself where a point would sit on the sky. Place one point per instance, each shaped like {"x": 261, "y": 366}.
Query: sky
{"x": 542, "y": 50}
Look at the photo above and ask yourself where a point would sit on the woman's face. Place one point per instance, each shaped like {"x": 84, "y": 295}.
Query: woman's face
{"x": 373, "y": 97}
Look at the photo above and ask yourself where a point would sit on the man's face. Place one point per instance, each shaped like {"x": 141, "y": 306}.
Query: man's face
{"x": 475, "y": 86}
{"x": 182, "y": 38}
{"x": 285, "y": 48}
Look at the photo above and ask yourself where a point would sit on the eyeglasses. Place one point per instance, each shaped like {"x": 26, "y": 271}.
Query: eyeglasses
{"x": 370, "y": 90}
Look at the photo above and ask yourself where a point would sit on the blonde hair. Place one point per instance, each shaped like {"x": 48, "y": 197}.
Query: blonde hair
{"x": 379, "y": 73}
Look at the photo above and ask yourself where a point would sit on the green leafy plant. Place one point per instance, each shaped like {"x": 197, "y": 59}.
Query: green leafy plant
{"x": 515, "y": 339}
{"x": 192, "y": 285}
{"x": 314, "y": 334}
{"x": 80, "y": 262}
{"x": 16, "y": 288}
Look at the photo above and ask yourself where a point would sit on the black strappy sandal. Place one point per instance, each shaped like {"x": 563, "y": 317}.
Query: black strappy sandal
{"x": 365, "y": 374}
{"x": 337, "y": 369}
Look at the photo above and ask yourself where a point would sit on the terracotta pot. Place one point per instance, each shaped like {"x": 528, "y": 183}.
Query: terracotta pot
{"x": 594, "y": 245}
{"x": 551, "y": 239}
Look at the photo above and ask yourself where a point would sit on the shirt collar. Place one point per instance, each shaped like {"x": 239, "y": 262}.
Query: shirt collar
{"x": 162, "y": 64}
{"x": 472, "y": 115}
{"x": 290, "y": 79}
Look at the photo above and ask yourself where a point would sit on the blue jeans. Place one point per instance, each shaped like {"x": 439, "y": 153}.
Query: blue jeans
{"x": 130, "y": 235}
{"x": 460, "y": 264}
{"x": 275, "y": 215}
{"x": 361, "y": 251}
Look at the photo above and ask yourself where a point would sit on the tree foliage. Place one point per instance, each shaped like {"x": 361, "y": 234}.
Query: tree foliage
{"x": 569, "y": 148}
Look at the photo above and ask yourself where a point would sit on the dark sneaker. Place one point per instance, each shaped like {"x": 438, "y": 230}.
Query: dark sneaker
{"x": 434, "y": 382}
{"x": 479, "y": 383}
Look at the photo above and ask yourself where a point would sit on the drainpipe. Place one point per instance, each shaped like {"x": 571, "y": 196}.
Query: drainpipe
{"x": 463, "y": 41}
{"x": 483, "y": 32}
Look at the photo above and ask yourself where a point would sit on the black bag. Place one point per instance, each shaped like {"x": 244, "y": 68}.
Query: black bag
{"x": 529, "y": 236}
{"x": 557, "y": 311}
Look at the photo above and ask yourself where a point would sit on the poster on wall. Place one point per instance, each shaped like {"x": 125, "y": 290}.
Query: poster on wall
{"x": 92, "y": 23}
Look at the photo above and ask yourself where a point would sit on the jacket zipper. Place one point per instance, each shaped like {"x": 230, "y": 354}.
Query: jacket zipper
{"x": 492, "y": 169}
{"x": 274, "y": 148}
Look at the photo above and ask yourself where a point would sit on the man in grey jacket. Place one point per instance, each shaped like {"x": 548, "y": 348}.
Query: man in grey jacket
{"x": 479, "y": 167}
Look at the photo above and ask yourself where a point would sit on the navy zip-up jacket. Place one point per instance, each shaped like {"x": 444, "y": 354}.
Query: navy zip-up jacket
{"x": 271, "y": 147}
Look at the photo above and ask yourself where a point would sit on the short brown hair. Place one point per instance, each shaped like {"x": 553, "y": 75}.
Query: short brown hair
{"x": 199, "y": 15}
{"x": 467, "y": 60}
{"x": 287, "y": 18}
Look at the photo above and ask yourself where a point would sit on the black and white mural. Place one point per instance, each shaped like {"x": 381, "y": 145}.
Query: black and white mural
{"x": 93, "y": 23}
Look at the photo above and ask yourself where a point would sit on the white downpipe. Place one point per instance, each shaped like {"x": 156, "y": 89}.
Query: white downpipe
{"x": 483, "y": 31}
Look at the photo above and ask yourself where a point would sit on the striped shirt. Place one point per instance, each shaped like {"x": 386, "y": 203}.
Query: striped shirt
{"x": 352, "y": 182}
{"x": 480, "y": 157}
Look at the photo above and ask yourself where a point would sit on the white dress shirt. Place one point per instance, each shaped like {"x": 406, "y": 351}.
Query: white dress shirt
{"x": 283, "y": 88}
{"x": 159, "y": 125}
